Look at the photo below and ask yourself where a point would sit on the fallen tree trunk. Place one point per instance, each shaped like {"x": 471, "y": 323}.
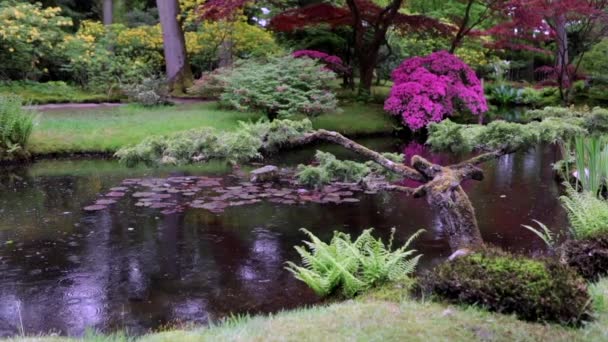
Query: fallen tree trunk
{"x": 440, "y": 185}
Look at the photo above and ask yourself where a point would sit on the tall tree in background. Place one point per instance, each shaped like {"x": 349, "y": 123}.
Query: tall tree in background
{"x": 545, "y": 26}
{"x": 369, "y": 22}
{"x": 179, "y": 74}
{"x": 108, "y": 12}
{"x": 468, "y": 16}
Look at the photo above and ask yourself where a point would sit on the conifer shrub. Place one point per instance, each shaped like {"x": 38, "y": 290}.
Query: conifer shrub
{"x": 534, "y": 290}
{"x": 280, "y": 87}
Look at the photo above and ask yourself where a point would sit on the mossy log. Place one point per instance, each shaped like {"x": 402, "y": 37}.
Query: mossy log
{"x": 440, "y": 185}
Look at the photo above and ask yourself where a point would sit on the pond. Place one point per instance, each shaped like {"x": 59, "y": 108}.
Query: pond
{"x": 131, "y": 268}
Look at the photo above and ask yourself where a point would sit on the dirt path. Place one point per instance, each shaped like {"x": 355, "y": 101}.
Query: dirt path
{"x": 103, "y": 105}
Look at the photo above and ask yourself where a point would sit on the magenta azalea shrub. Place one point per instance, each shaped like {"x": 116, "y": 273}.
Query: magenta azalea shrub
{"x": 333, "y": 63}
{"x": 427, "y": 89}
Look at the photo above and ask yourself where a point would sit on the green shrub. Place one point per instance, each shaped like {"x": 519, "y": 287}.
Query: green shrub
{"x": 151, "y": 91}
{"x": 212, "y": 84}
{"x": 532, "y": 289}
{"x": 281, "y": 87}
{"x": 588, "y": 214}
{"x": 504, "y": 95}
{"x": 589, "y": 257}
{"x": 16, "y": 126}
{"x": 331, "y": 169}
{"x": 351, "y": 267}
{"x": 197, "y": 145}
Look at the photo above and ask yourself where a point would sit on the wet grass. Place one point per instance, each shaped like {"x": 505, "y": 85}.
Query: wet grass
{"x": 384, "y": 315}
{"x": 108, "y": 129}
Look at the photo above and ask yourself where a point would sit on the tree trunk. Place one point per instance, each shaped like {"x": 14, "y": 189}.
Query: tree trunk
{"x": 366, "y": 77}
{"x": 225, "y": 53}
{"x": 108, "y": 12}
{"x": 440, "y": 186}
{"x": 562, "y": 59}
{"x": 179, "y": 74}
{"x": 457, "y": 217}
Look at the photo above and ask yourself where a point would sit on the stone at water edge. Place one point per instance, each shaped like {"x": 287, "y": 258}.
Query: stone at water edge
{"x": 268, "y": 173}
{"x": 105, "y": 202}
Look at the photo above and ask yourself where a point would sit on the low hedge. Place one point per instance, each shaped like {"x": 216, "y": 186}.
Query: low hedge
{"x": 534, "y": 290}
{"x": 589, "y": 257}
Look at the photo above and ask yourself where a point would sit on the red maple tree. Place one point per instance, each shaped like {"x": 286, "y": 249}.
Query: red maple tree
{"x": 535, "y": 24}
{"x": 369, "y": 21}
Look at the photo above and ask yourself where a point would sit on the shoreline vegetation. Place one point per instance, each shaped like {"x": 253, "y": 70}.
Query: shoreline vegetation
{"x": 385, "y": 314}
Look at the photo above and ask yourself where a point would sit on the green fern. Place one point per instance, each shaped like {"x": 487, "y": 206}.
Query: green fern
{"x": 588, "y": 215}
{"x": 352, "y": 266}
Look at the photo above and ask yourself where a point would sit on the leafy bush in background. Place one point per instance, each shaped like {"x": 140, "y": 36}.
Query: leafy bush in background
{"x": 151, "y": 91}
{"x": 280, "y": 87}
{"x": 16, "y": 126}
{"x": 28, "y": 39}
{"x": 212, "y": 84}
{"x": 534, "y": 290}
{"x": 351, "y": 267}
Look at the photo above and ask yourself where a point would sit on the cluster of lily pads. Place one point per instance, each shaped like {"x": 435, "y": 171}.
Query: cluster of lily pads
{"x": 215, "y": 194}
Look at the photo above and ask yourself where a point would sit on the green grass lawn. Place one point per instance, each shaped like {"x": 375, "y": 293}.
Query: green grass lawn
{"x": 386, "y": 315}
{"x": 106, "y": 130}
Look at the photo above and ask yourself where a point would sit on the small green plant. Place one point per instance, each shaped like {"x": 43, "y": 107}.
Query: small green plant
{"x": 544, "y": 233}
{"x": 351, "y": 267}
{"x": 504, "y": 95}
{"x": 588, "y": 214}
{"x": 16, "y": 126}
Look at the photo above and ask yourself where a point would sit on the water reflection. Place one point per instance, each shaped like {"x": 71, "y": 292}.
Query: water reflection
{"x": 133, "y": 268}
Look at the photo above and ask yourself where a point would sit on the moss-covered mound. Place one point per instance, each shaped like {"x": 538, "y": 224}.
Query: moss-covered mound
{"x": 534, "y": 290}
{"x": 589, "y": 257}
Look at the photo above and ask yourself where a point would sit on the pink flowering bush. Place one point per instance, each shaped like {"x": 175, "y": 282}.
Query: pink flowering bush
{"x": 333, "y": 63}
{"x": 428, "y": 89}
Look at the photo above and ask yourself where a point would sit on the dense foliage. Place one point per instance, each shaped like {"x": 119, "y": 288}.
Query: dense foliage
{"x": 588, "y": 214}
{"x": 330, "y": 169}
{"x": 29, "y": 36}
{"x": 198, "y": 145}
{"x": 350, "y": 267}
{"x": 333, "y": 63}
{"x": 589, "y": 257}
{"x": 532, "y": 289}
{"x": 151, "y": 91}
{"x": 16, "y": 126}
{"x": 428, "y": 89}
{"x": 280, "y": 87}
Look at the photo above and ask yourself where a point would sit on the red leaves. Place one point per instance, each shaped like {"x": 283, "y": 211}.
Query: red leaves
{"x": 369, "y": 12}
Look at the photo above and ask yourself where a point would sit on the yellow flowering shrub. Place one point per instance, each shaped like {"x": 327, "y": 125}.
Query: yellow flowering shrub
{"x": 28, "y": 36}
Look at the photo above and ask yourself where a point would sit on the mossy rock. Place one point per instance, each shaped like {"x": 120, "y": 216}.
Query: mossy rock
{"x": 589, "y": 257}
{"x": 534, "y": 290}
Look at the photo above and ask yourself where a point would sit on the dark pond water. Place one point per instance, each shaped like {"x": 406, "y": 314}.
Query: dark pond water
{"x": 130, "y": 268}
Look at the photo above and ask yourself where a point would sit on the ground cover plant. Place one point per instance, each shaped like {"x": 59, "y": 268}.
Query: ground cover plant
{"x": 536, "y": 290}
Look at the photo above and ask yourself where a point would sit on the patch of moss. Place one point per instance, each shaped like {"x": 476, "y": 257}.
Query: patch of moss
{"x": 535, "y": 290}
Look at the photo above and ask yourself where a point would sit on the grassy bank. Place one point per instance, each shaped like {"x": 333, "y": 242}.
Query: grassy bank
{"x": 385, "y": 315}
{"x": 52, "y": 92}
{"x": 106, "y": 130}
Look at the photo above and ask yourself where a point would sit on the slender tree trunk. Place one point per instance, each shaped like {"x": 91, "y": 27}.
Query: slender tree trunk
{"x": 366, "y": 77}
{"x": 179, "y": 74}
{"x": 562, "y": 58}
{"x": 108, "y": 12}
